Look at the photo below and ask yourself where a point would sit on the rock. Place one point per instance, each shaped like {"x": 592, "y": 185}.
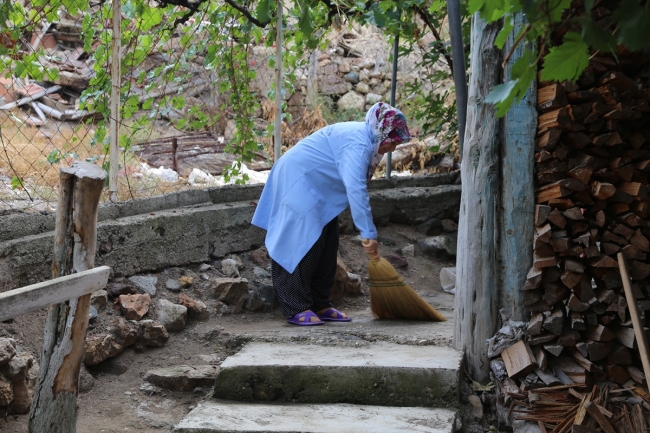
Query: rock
{"x": 212, "y": 358}
{"x": 18, "y": 367}
{"x": 6, "y": 392}
{"x": 260, "y": 257}
{"x": 386, "y": 241}
{"x": 344, "y": 282}
{"x": 438, "y": 245}
{"x": 238, "y": 260}
{"x": 377, "y": 74}
{"x": 101, "y": 347}
{"x": 204, "y": 267}
{"x": 368, "y": 64}
{"x": 92, "y": 313}
{"x": 449, "y": 225}
{"x": 223, "y": 285}
{"x": 267, "y": 293}
{"x": 126, "y": 331}
{"x": 134, "y": 307}
{"x": 260, "y": 273}
{"x": 430, "y": 227}
{"x": 117, "y": 365}
{"x": 183, "y": 377}
{"x": 119, "y": 288}
{"x": 98, "y": 299}
{"x": 150, "y": 389}
{"x": 223, "y": 309}
{"x": 353, "y": 287}
{"x": 333, "y": 85}
{"x": 173, "y": 285}
{"x": 196, "y": 310}
{"x": 172, "y": 316}
{"x": 477, "y": 406}
{"x": 229, "y": 131}
{"x": 351, "y": 101}
{"x": 86, "y": 381}
{"x": 362, "y": 88}
{"x": 352, "y": 77}
{"x": 153, "y": 334}
{"x": 364, "y": 75}
{"x": 254, "y": 302}
{"x": 186, "y": 281}
{"x": 408, "y": 251}
{"x": 230, "y": 268}
{"x": 7, "y": 350}
{"x": 373, "y": 98}
{"x": 344, "y": 67}
{"x": 22, "y": 370}
{"x": 145, "y": 284}
{"x": 235, "y": 295}
{"x": 397, "y": 261}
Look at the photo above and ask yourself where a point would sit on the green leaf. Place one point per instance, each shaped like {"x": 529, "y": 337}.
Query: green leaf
{"x": 16, "y": 183}
{"x": 305, "y": 24}
{"x": 633, "y": 24}
{"x": 596, "y": 36}
{"x": 376, "y": 16}
{"x": 566, "y": 61}
{"x": 501, "y": 92}
{"x": 263, "y": 11}
{"x": 503, "y": 34}
{"x": 475, "y": 6}
{"x": 556, "y": 8}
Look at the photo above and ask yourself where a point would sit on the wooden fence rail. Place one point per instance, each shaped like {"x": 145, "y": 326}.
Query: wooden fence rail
{"x": 41, "y": 295}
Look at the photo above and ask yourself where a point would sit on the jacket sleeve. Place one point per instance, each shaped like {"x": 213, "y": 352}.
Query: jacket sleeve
{"x": 352, "y": 162}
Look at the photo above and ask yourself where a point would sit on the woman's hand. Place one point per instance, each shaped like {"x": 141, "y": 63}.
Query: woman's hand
{"x": 372, "y": 247}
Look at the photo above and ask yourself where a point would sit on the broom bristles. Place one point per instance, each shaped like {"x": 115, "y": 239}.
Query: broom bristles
{"x": 392, "y": 298}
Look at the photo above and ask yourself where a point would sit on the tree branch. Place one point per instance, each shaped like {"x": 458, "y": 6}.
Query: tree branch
{"x": 436, "y": 35}
{"x": 247, "y": 14}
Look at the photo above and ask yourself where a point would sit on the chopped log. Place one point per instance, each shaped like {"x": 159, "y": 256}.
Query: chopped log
{"x": 639, "y": 270}
{"x": 548, "y": 378}
{"x": 568, "y": 338}
{"x": 555, "y": 349}
{"x": 575, "y": 304}
{"x": 611, "y": 237}
{"x": 599, "y": 333}
{"x": 609, "y": 249}
{"x": 584, "y": 239}
{"x": 556, "y": 218}
{"x": 632, "y": 220}
{"x": 617, "y": 374}
{"x": 605, "y": 296}
{"x": 602, "y": 190}
{"x": 631, "y": 252}
{"x": 519, "y": 359}
{"x": 634, "y": 189}
{"x": 572, "y": 369}
{"x": 573, "y": 265}
{"x": 636, "y": 375}
{"x": 554, "y": 292}
{"x": 577, "y": 140}
{"x": 540, "y": 357}
{"x": 560, "y": 244}
{"x": 556, "y": 119}
{"x": 584, "y": 290}
{"x": 577, "y": 321}
{"x": 530, "y": 297}
{"x": 543, "y": 233}
{"x": 554, "y": 322}
{"x": 544, "y": 262}
{"x": 603, "y": 261}
{"x": 542, "y": 338}
{"x": 624, "y": 231}
{"x": 598, "y": 350}
{"x": 574, "y": 214}
{"x": 551, "y": 97}
{"x": 570, "y": 279}
{"x": 620, "y": 355}
{"x": 541, "y": 214}
{"x": 640, "y": 241}
{"x": 535, "y": 324}
{"x": 549, "y": 139}
{"x": 600, "y": 218}
{"x": 625, "y": 336}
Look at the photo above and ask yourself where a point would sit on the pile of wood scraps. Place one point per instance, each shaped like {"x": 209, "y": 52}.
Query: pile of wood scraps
{"x": 573, "y": 409}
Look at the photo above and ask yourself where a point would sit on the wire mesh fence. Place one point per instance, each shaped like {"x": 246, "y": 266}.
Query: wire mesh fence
{"x": 189, "y": 97}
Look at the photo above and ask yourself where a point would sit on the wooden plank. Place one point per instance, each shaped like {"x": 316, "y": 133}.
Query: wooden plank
{"x": 519, "y": 359}
{"x": 593, "y": 410}
{"x": 636, "y": 319}
{"x": 475, "y": 307}
{"x": 31, "y": 298}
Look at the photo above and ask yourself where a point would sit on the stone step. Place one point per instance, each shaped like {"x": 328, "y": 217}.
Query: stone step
{"x": 222, "y": 416}
{"x": 382, "y": 374}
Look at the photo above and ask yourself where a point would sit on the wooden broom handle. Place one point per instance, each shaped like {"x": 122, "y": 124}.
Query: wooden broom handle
{"x": 636, "y": 320}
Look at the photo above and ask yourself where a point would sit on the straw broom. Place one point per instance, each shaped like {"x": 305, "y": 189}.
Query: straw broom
{"x": 392, "y": 298}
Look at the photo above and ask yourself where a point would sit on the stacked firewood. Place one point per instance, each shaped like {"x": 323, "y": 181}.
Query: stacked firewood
{"x": 592, "y": 202}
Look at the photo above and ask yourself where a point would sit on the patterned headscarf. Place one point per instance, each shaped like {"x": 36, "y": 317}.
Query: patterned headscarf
{"x": 387, "y": 125}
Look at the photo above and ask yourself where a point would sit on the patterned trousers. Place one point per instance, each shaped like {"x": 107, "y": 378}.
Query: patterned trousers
{"x": 310, "y": 284}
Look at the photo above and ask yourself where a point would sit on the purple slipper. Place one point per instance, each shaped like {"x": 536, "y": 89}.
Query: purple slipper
{"x": 327, "y": 316}
{"x": 295, "y": 320}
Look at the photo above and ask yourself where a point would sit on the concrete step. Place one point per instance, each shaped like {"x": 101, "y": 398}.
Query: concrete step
{"x": 382, "y": 374}
{"x": 222, "y": 416}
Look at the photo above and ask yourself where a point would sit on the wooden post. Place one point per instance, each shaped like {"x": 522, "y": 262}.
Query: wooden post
{"x": 54, "y": 409}
{"x": 476, "y": 298}
{"x": 517, "y": 195}
{"x": 312, "y": 81}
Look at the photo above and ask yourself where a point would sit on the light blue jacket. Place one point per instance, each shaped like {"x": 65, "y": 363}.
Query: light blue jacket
{"x": 311, "y": 184}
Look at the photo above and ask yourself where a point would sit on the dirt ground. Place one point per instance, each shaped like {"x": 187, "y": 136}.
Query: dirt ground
{"x": 116, "y": 403}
